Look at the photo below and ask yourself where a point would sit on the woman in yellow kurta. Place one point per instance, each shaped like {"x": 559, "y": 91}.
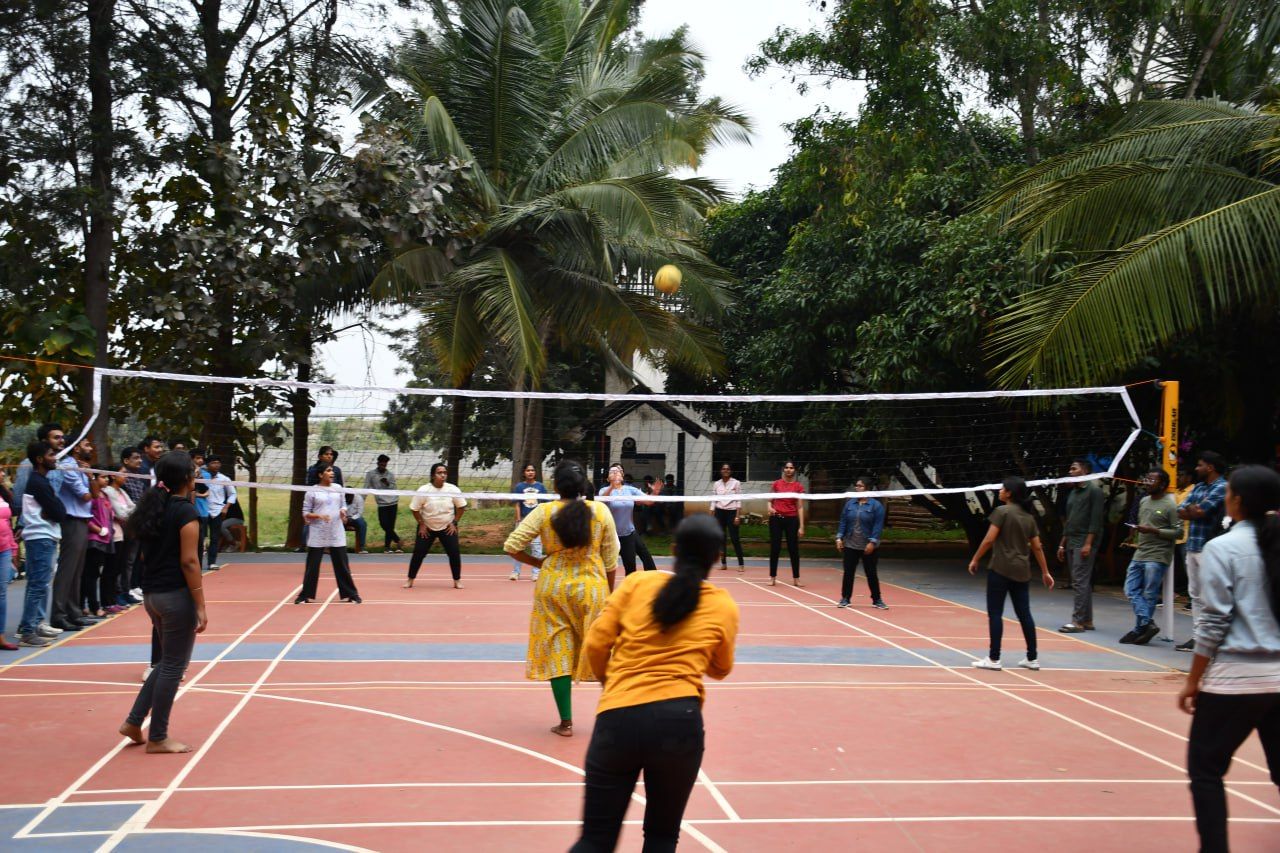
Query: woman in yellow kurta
{"x": 581, "y": 546}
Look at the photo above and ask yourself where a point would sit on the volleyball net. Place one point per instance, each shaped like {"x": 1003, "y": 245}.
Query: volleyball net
{"x": 270, "y": 432}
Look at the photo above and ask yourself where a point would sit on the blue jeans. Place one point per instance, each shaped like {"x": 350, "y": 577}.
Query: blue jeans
{"x": 6, "y": 575}
{"x": 35, "y": 609}
{"x": 1142, "y": 586}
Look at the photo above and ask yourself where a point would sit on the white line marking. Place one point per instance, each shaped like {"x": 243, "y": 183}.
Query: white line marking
{"x": 717, "y": 796}
{"x": 706, "y": 842}
{"x": 1052, "y": 687}
{"x": 150, "y": 809}
{"x": 1001, "y": 690}
{"x": 102, "y": 762}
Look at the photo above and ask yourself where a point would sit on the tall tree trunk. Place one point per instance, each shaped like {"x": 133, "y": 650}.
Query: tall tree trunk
{"x": 1207, "y": 56}
{"x": 301, "y": 440}
{"x": 457, "y": 425}
{"x": 98, "y": 241}
{"x": 1144, "y": 61}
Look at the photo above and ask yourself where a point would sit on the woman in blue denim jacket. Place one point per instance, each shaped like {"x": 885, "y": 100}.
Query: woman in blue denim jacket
{"x": 858, "y": 538}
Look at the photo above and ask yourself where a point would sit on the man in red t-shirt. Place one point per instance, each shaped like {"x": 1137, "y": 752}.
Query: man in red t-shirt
{"x": 786, "y": 517}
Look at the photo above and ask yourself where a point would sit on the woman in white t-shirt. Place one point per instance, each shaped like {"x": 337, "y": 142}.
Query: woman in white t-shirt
{"x": 324, "y": 511}
{"x": 437, "y": 507}
{"x": 726, "y": 508}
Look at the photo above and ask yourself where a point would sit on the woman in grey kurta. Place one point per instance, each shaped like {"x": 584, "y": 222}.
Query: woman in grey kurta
{"x": 322, "y": 510}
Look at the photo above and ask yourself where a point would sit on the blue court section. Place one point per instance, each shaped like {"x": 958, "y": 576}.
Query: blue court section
{"x": 925, "y": 655}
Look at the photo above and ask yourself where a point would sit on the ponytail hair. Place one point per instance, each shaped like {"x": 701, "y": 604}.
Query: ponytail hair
{"x": 173, "y": 471}
{"x": 1258, "y": 489}
{"x": 698, "y": 541}
{"x": 1018, "y": 492}
{"x": 573, "y": 522}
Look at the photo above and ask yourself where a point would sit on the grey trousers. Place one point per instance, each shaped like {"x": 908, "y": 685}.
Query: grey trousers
{"x": 173, "y": 617}
{"x": 1081, "y": 585}
{"x": 67, "y": 605}
{"x": 1193, "y": 589}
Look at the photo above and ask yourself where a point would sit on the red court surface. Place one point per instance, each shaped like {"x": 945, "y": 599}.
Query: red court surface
{"x": 405, "y": 724}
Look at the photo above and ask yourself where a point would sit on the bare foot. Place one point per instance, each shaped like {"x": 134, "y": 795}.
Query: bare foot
{"x": 797, "y": 582}
{"x": 457, "y": 584}
{"x": 773, "y": 581}
{"x": 565, "y": 729}
{"x": 132, "y": 732}
{"x": 168, "y": 745}
{"x": 408, "y": 585}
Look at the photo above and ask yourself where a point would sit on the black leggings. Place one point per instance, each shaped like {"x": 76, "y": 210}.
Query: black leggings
{"x": 1221, "y": 723}
{"x": 1019, "y": 593}
{"x": 97, "y": 584}
{"x": 173, "y": 617}
{"x": 422, "y": 547}
{"x": 341, "y": 573}
{"x": 725, "y": 517}
{"x": 869, "y": 561}
{"x": 790, "y": 526}
{"x": 387, "y": 521}
{"x": 631, "y": 545}
{"x": 665, "y": 740}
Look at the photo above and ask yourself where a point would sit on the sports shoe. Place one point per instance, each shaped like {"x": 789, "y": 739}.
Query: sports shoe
{"x": 1188, "y": 646}
{"x": 1028, "y": 663}
{"x": 879, "y": 605}
{"x": 1071, "y": 628}
{"x": 987, "y": 663}
{"x": 515, "y": 575}
{"x": 34, "y": 640}
{"x": 146, "y": 673}
{"x": 48, "y": 631}
{"x": 1148, "y": 633}
{"x": 136, "y": 592}
{"x": 1131, "y": 637}
{"x": 216, "y": 567}
{"x": 844, "y": 602}
{"x": 533, "y": 576}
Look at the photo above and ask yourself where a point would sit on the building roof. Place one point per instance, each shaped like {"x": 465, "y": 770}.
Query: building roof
{"x": 619, "y": 409}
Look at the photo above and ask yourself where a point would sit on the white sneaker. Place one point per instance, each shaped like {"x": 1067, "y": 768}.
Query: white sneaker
{"x": 48, "y": 631}
{"x": 136, "y": 592}
{"x": 515, "y": 574}
{"x": 533, "y": 576}
{"x": 146, "y": 673}
{"x": 987, "y": 663}
{"x": 1027, "y": 663}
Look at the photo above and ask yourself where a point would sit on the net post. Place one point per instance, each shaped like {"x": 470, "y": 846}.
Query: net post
{"x": 1169, "y": 413}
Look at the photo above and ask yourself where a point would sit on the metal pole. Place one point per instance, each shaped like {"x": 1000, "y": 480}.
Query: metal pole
{"x": 1169, "y": 462}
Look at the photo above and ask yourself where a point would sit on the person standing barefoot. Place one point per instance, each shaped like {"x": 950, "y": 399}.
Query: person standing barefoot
{"x": 786, "y": 518}
{"x": 167, "y": 526}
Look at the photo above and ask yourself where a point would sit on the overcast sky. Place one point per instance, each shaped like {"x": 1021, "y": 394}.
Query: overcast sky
{"x": 728, "y": 32}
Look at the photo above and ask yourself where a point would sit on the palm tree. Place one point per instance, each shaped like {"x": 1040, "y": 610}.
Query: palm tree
{"x": 1160, "y": 230}
{"x": 569, "y": 126}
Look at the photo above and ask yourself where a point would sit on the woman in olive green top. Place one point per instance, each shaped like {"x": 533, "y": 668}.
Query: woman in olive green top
{"x": 1012, "y": 539}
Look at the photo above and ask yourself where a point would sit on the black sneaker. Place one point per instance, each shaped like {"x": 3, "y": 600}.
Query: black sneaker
{"x": 1131, "y": 637}
{"x": 1188, "y": 646}
{"x": 1148, "y": 633}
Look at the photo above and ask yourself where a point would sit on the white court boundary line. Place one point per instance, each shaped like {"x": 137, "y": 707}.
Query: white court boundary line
{"x": 360, "y": 709}
{"x": 1051, "y": 687}
{"x": 151, "y": 808}
{"x": 998, "y": 689}
{"x": 61, "y": 799}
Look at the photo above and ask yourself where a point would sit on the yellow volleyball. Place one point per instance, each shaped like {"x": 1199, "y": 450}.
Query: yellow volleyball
{"x": 667, "y": 279}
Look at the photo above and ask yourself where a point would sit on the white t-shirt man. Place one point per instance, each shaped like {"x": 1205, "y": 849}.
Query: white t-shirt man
{"x": 436, "y": 506}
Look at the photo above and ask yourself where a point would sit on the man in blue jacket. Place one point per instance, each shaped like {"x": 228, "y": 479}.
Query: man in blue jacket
{"x": 858, "y": 538}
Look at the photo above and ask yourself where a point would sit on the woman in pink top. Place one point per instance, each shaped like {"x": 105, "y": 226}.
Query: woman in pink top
{"x": 8, "y": 548}
{"x": 101, "y": 550}
{"x": 726, "y": 508}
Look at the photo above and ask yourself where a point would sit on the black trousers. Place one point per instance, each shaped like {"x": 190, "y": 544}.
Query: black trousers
{"x": 215, "y": 537}
{"x": 66, "y": 582}
{"x": 869, "y": 562}
{"x": 1019, "y": 592}
{"x": 788, "y": 525}
{"x": 341, "y": 573}
{"x": 130, "y": 566}
{"x": 631, "y": 545}
{"x": 98, "y": 582}
{"x": 173, "y": 617}
{"x": 1221, "y": 723}
{"x": 387, "y": 521}
{"x": 663, "y": 739}
{"x": 422, "y": 547}
{"x": 730, "y": 530}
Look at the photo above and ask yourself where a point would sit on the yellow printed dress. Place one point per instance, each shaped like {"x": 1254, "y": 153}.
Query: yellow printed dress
{"x": 571, "y": 591}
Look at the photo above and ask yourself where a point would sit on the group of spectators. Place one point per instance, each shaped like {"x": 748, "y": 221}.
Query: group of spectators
{"x": 64, "y": 523}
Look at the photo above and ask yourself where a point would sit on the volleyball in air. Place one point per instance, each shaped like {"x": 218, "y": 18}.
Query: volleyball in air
{"x": 667, "y": 279}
